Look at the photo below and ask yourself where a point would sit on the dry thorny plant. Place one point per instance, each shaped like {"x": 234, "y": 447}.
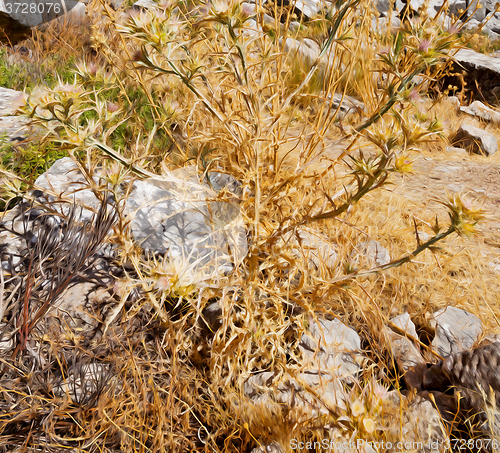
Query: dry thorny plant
{"x": 201, "y": 83}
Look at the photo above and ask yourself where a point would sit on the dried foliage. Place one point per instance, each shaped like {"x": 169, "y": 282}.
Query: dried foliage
{"x": 217, "y": 84}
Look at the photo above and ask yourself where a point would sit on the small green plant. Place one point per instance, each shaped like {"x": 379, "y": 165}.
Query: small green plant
{"x": 21, "y": 164}
{"x": 29, "y": 160}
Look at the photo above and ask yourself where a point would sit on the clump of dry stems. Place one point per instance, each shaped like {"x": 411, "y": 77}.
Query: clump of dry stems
{"x": 213, "y": 84}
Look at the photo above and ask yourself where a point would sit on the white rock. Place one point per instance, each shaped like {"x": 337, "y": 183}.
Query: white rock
{"x": 406, "y": 353}
{"x": 474, "y": 25}
{"x": 477, "y": 10}
{"x": 316, "y": 248}
{"x": 306, "y": 50}
{"x": 454, "y": 101}
{"x": 475, "y": 140}
{"x": 73, "y": 309}
{"x": 65, "y": 180}
{"x": 456, "y": 330}
{"x": 371, "y": 251}
{"x": 83, "y": 382}
{"x": 144, "y": 5}
{"x": 79, "y": 11}
{"x": 310, "y": 8}
{"x": 423, "y": 425}
{"x": 478, "y": 109}
{"x": 15, "y": 127}
{"x": 174, "y": 215}
{"x": 489, "y": 5}
{"x": 405, "y": 323}
{"x": 492, "y": 23}
{"x": 472, "y": 59}
{"x": 10, "y": 244}
{"x": 331, "y": 355}
{"x": 332, "y": 347}
{"x": 10, "y": 101}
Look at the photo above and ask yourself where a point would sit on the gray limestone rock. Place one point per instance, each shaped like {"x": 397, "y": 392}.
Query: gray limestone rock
{"x": 456, "y": 330}
{"x": 330, "y": 346}
{"x": 454, "y": 102}
{"x": 65, "y": 180}
{"x": 84, "y": 382}
{"x": 372, "y": 252}
{"x": 310, "y": 8}
{"x": 10, "y": 101}
{"x": 474, "y": 25}
{"x": 384, "y": 6}
{"x": 405, "y": 323}
{"x": 17, "y": 21}
{"x": 178, "y": 216}
{"x": 306, "y": 50}
{"x": 480, "y": 69}
{"x": 12, "y": 127}
{"x": 406, "y": 353}
{"x": 423, "y": 425}
{"x": 315, "y": 247}
{"x": 331, "y": 355}
{"x": 73, "y": 309}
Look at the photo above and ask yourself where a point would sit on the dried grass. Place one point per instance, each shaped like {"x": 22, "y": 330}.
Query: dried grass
{"x": 175, "y": 86}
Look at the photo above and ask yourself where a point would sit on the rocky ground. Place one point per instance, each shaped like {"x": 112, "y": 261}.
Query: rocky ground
{"x": 446, "y": 359}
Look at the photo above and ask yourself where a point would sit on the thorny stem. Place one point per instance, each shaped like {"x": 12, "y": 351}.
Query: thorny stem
{"x": 374, "y": 181}
{"x": 396, "y": 263}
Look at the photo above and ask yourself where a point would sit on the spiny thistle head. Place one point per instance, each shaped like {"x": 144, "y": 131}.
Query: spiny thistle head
{"x": 403, "y": 164}
{"x": 463, "y": 217}
{"x": 175, "y": 275}
{"x": 114, "y": 174}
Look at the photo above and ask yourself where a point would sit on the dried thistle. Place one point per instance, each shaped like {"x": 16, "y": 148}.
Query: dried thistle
{"x": 63, "y": 248}
{"x": 463, "y": 217}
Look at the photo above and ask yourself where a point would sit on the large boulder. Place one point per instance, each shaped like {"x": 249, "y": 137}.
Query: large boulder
{"x": 178, "y": 216}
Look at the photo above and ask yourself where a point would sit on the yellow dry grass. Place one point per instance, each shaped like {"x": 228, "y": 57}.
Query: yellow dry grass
{"x": 239, "y": 106}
